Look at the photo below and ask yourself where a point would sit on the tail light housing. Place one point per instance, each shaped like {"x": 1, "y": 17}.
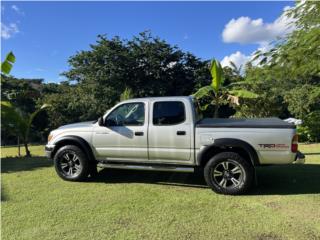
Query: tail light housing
{"x": 294, "y": 143}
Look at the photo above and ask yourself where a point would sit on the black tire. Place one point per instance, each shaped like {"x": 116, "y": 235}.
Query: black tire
{"x": 71, "y": 157}
{"x": 228, "y": 173}
{"x": 93, "y": 171}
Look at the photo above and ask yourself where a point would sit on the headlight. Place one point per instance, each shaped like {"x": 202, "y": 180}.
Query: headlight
{"x": 50, "y": 137}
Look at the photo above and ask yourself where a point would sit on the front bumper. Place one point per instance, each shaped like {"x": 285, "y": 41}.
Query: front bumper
{"x": 48, "y": 150}
{"x": 300, "y": 158}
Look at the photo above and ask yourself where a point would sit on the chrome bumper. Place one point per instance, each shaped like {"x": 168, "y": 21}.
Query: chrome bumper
{"x": 300, "y": 158}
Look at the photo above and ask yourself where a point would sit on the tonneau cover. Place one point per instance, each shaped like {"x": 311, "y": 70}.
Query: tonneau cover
{"x": 243, "y": 123}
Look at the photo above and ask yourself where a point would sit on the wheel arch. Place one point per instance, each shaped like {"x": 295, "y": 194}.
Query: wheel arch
{"x": 241, "y": 147}
{"x": 74, "y": 140}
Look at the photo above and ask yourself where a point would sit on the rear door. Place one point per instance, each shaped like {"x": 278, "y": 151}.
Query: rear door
{"x": 170, "y": 133}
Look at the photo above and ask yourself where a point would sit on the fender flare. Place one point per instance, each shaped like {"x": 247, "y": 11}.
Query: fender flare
{"x": 230, "y": 143}
{"x": 83, "y": 144}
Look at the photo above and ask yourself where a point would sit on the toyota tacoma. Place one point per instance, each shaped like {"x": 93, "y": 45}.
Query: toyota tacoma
{"x": 168, "y": 134}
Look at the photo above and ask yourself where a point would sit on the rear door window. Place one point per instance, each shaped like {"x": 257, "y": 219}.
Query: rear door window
{"x": 168, "y": 113}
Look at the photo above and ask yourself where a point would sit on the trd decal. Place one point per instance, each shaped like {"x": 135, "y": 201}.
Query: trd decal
{"x": 272, "y": 146}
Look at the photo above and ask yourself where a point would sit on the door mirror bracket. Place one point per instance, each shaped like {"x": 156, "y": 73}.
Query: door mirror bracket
{"x": 100, "y": 121}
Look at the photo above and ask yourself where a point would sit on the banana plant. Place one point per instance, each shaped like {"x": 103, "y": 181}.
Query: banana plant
{"x": 219, "y": 94}
{"x": 17, "y": 122}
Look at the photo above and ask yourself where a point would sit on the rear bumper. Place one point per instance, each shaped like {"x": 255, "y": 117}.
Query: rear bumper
{"x": 300, "y": 158}
{"x": 49, "y": 150}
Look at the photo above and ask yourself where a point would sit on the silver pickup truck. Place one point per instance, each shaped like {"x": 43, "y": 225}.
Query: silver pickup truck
{"x": 168, "y": 134}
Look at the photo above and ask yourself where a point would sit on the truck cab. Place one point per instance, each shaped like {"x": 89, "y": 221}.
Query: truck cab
{"x": 150, "y": 130}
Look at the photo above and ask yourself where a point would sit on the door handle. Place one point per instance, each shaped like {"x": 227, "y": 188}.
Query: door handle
{"x": 181, "y": 132}
{"x": 138, "y": 133}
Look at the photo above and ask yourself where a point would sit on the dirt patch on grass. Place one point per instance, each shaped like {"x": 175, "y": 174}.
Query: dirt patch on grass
{"x": 268, "y": 236}
{"x": 273, "y": 205}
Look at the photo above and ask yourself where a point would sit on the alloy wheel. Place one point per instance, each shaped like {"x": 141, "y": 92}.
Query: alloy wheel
{"x": 70, "y": 164}
{"x": 228, "y": 174}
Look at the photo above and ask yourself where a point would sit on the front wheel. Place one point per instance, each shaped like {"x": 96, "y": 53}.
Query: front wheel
{"x": 71, "y": 163}
{"x": 229, "y": 173}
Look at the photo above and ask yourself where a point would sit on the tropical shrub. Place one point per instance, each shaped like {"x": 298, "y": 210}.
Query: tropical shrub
{"x": 18, "y": 122}
{"x": 310, "y": 129}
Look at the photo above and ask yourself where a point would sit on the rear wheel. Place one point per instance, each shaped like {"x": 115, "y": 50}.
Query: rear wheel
{"x": 71, "y": 163}
{"x": 229, "y": 173}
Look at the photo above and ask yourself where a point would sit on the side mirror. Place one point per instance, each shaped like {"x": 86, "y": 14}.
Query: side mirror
{"x": 100, "y": 121}
{"x": 110, "y": 123}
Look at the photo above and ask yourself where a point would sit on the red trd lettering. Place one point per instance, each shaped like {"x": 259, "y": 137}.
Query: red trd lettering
{"x": 271, "y": 145}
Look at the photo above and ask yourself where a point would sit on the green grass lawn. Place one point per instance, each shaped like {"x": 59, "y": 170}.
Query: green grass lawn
{"x": 36, "y": 204}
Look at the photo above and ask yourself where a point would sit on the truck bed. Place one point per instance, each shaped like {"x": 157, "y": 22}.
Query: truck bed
{"x": 243, "y": 123}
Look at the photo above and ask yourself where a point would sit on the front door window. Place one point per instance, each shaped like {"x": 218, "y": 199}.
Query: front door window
{"x": 128, "y": 114}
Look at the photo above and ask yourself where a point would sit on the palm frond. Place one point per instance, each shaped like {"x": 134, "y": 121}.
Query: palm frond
{"x": 30, "y": 119}
{"x": 203, "y": 92}
{"x": 243, "y": 93}
{"x": 216, "y": 74}
{"x": 6, "y": 65}
{"x": 12, "y": 118}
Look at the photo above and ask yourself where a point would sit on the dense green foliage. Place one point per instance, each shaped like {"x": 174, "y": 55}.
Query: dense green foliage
{"x": 288, "y": 77}
{"x": 146, "y": 65}
{"x": 287, "y": 80}
{"x": 24, "y": 93}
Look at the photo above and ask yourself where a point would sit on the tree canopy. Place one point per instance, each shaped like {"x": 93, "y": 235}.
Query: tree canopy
{"x": 146, "y": 65}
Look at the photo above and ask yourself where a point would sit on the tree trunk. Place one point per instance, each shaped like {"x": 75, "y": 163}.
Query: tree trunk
{"x": 216, "y": 111}
{"x": 19, "y": 153}
{"x": 216, "y": 108}
{"x": 27, "y": 149}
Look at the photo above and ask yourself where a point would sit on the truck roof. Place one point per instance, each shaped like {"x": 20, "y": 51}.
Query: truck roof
{"x": 171, "y": 98}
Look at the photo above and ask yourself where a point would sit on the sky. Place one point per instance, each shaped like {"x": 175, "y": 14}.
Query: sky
{"x": 43, "y": 35}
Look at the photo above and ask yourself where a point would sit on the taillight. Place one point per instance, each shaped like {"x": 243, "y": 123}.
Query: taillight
{"x": 294, "y": 144}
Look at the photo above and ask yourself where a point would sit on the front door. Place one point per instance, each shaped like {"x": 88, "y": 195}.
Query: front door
{"x": 124, "y": 136}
